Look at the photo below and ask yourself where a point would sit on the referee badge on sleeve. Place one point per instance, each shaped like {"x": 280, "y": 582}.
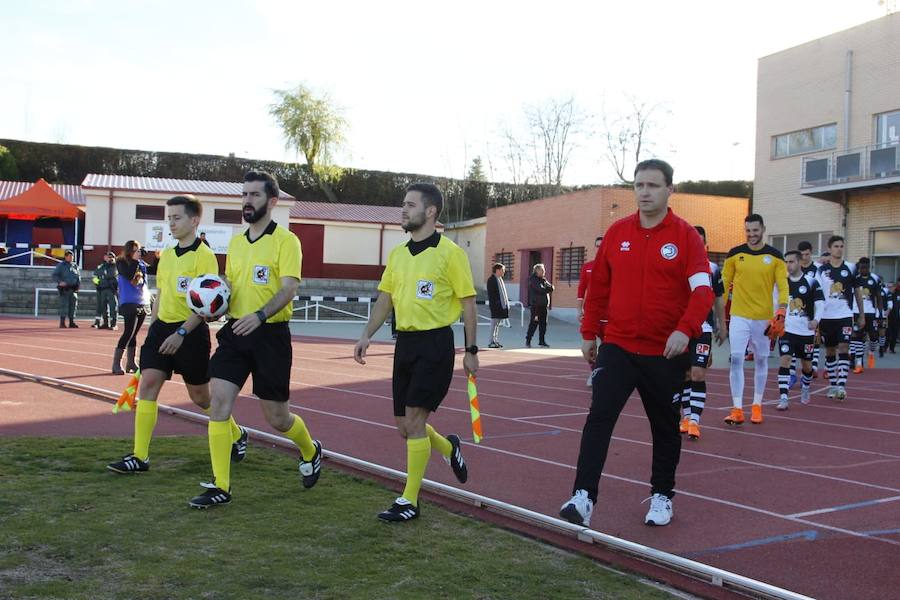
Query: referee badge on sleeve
{"x": 261, "y": 274}
{"x": 425, "y": 289}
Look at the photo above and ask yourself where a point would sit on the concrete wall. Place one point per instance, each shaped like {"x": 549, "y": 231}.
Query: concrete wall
{"x": 803, "y": 87}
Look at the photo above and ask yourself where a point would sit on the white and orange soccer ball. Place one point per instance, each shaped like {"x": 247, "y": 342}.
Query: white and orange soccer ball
{"x": 208, "y": 295}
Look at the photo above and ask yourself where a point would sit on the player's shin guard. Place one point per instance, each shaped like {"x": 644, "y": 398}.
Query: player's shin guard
{"x": 686, "y": 400}
{"x": 220, "y": 453}
{"x": 831, "y": 366}
{"x": 144, "y": 422}
{"x": 843, "y": 369}
{"x": 418, "y": 451}
{"x": 698, "y": 399}
{"x": 299, "y": 434}
{"x": 784, "y": 377}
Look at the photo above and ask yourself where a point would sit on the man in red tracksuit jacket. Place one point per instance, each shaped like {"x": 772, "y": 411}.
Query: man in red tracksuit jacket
{"x": 649, "y": 293}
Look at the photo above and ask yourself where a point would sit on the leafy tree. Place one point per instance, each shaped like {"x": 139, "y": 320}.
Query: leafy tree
{"x": 8, "y": 169}
{"x": 312, "y": 126}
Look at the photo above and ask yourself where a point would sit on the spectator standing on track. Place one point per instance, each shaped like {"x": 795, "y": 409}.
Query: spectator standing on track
{"x": 263, "y": 271}
{"x": 106, "y": 282}
{"x": 68, "y": 280}
{"x": 133, "y": 304}
{"x": 539, "y": 290}
{"x": 649, "y": 294}
{"x": 498, "y": 300}
{"x": 428, "y": 282}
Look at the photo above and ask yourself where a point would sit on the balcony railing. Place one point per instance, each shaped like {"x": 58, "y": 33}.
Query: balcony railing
{"x": 860, "y": 164}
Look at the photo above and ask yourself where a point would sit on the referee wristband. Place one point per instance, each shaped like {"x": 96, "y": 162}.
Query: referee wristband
{"x": 261, "y": 315}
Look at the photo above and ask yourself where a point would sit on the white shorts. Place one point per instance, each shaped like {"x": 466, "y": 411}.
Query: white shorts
{"x": 743, "y": 331}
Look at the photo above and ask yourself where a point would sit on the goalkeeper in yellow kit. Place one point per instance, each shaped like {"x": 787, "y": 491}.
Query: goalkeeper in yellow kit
{"x": 755, "y": 269}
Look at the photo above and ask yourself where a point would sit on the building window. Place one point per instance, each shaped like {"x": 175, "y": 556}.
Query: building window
{"x": 886, "y": 253}
{"x": 790, "y": 241}
{"x": 149, "y": 212}
{"x": 225, "y": 215}
{"x": 887, "y": 128}
{"x": 805, "y": 140}
{"x": 570, "y": 263}
{"x": 505, "y": 259}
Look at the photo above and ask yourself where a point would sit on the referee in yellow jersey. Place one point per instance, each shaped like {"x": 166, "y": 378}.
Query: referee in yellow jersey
{"x": 178, "y": 340}
{"x": 263, "y": 271}
{"x": 427, "y": 282}
{"x": 757, "y": 270}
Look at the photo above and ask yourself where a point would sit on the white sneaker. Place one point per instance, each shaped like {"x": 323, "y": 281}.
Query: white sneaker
{"x": 578, "y": 510}
{"x": 783, "y": 404}
{"x": 804, "y": 396}
{"x": 590, "y": 380}
{"x": 660, "y": 512}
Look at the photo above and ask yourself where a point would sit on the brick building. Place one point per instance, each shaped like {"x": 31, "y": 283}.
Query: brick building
{"x": 828, "y": 143}
{"x": 560, "y": 232}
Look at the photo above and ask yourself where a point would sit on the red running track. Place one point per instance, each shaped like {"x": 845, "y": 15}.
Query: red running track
{"x": 808, "y": 501}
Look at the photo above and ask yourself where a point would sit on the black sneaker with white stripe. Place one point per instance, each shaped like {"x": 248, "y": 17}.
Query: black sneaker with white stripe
{"x": 311, "y": 469}
{"x": 130, "y": 464}
{"x": 213, "y": 496}
{"x": 455, "y": 460}
{"x": 401, "y": 510}
{"x": 239, "y": 448}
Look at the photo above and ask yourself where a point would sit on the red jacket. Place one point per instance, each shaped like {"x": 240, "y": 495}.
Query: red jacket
{"x": 646, "y": 283}
{"x": 584, "y": 278}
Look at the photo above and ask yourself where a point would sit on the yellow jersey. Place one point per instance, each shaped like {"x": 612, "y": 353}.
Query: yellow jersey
{"x": 254, "y": 270}
{"x": 426, "y": 281}
{"x": 177, "y": 266}
{"x": 755, "y": 273}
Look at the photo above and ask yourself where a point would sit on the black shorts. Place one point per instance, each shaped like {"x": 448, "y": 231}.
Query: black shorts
{"x": 800, "y": 346}
{"x": 836, "y": 331}
{"x": 191, "y": 360}
{"x": 423, "y": 368}
{"x": 700, "y": 351}
{"x": 266, "y": 354}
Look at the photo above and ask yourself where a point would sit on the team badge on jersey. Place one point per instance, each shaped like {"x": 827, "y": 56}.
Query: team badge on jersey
{"x": 767, "y": 259}
{"x": 261, "y": 274}
{"x": 802, "y": 289}
{"x": 625, "y": 247}
{"x": 425, "y": 289}
{"x": 669, "y": 251}
{"x": 182, "y": 285}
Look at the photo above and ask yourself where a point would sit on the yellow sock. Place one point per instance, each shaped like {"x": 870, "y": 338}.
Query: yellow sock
{"x": 438, "y": 442}
{"x": 300, "y": 436}
{"x": 144, "y": 423}
{"x": 235, "y": 430}
{"x": 220, "y": 453}
{"x": 418, "y": 451}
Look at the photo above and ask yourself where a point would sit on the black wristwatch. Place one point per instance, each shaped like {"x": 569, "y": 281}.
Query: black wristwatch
{"x": 261, "y": 315}
{"x": 472, "y": 349}
{"x": 181, "y": 331}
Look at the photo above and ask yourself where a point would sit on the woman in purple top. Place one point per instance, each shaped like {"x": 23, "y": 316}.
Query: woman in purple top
{"x": 133, "y": 296}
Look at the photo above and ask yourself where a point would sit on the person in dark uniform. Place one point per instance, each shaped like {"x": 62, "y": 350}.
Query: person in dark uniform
{"x": 263, "y": 272}
{"x": 428, "y": 282}
{"x": 539, "y": 290}
{"x": 865, "y": 341}
{"x": 498, "y": 301}
{"x": 805, "y": 305}
{"x": 838, "y": 282}
{"x": 106, "y": 281}
{"x": 68, "y": 280}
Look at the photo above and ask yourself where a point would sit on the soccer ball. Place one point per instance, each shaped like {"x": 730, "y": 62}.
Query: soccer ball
{"x": 207, "y": 295}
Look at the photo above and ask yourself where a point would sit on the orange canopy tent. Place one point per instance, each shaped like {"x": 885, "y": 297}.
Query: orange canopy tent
{"x": 40, "y": 200}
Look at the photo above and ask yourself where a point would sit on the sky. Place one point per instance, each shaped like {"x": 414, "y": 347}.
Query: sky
{"x": 424, "y": 86}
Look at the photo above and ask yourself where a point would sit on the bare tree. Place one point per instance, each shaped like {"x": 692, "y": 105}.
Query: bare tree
{"x": 555, "y": 127}
{"x": 628, "y": 137}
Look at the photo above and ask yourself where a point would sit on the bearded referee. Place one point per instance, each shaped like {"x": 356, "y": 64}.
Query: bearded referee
{"x": 263, "y": 271}
{"x": 427, "y": 282}
{"x": 178, "y": 340}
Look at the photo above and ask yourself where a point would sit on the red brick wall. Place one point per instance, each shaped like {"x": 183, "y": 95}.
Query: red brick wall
{"x": 576, "y": 219}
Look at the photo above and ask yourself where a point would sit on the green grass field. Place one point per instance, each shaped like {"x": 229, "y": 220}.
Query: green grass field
{"x": 70, "y": 529}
